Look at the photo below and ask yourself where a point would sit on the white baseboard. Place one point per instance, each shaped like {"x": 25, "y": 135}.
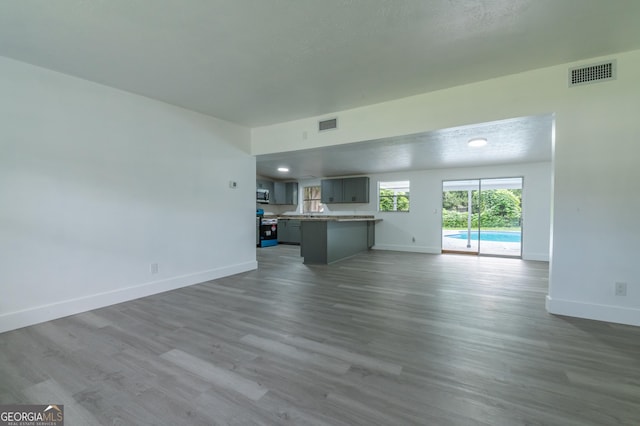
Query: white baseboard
{"x": 35, "y": 315}
{"x": 412, "y": 248}
{"x": 608, "y": 313}
{"x": 542, "y": 257}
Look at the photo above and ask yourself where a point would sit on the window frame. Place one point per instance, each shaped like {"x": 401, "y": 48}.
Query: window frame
{"x": 305, "y": 200}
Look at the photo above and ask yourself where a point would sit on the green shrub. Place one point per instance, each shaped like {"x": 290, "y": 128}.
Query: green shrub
{"x": 454, "y": 219}
{"x": 387, "y": 198}
{"x": 500, "y": 209}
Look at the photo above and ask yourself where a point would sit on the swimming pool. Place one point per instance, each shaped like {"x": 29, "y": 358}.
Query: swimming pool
{"x": 501, "y": 236}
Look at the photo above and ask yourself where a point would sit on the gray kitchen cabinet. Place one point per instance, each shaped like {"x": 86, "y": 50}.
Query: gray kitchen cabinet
{"x": 280, "y": 192}
{"x": 283, "y": 230}
{"x": 371, "y": 234}
{"x": 264, "y": 184}
{"x": 289, "y": 231}
{"x": 331, "y": 191}
{"x": 355, "y": 190}
{"x": 285, "y": 193}
{"x": 345, "y": 190}
{"x": 294, "y": 231}
{"x": 328, "y": 241}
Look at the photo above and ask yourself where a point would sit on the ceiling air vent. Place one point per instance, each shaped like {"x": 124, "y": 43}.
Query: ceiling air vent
{"x": 329, "y": 124}
{"x": 592, "y": 73}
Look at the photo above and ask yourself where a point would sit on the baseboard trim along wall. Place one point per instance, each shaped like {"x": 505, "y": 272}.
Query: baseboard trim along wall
{"x": 541, "y": 257}
{"x": 436, "y": 250}
{"x": 608, "y": 313}
{"x": 36, "y": 315}
{"x": 411, "y": 249}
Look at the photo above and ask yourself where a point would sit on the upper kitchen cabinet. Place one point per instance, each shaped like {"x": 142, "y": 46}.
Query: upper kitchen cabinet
{"x": 285, "y": 193}
{"x": 331, "y": 191}
{"x": 355, "y": 190}
{"x": 346, "y": 190}
{"x": 264, "y": 184}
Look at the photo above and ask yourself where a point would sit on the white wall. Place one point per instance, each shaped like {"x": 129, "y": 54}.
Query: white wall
{"x": 96, "y": 184}
{"x": 423, "y": 221}
{"x": 595, "y": 168}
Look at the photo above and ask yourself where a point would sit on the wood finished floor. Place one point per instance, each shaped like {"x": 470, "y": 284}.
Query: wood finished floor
{"x": 382, "y": 338}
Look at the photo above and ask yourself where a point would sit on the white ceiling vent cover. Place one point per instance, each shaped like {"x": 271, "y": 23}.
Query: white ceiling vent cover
{"x": 329, "y": 124}
{"x": 594, "y": 73}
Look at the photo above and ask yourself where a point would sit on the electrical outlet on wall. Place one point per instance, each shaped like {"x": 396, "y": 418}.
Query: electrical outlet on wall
{"x": 621, "y": 289}
{"x": 153, "y": 268}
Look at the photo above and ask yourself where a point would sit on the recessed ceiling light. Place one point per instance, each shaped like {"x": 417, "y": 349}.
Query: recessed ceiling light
{"x": 283, "y": 169}
{"x": 477, "y": 142}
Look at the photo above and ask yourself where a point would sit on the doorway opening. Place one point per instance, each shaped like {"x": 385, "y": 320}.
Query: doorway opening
{"x": 482, "y": 216}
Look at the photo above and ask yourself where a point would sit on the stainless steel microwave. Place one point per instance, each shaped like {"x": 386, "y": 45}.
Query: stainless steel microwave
{"x": 262, "y": 196}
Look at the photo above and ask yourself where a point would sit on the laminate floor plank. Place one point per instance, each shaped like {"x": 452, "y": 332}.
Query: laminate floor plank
{"x": 219, "y": 376}
{"x": 226, "y": 409}
{"x": 310, "y": 359}
{"x": 381, "y": 338}
{"x": 295, "y": 388}
{"x": 289, "y": 412}
{"x": 51, "y": 392}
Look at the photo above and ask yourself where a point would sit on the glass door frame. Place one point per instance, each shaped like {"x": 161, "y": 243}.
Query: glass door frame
{"x": 480, "y": 204}
{"x": 472, "y": 185}
{"x": 480, "y": 226}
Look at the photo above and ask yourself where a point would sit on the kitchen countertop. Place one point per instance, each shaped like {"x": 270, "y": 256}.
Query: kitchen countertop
{"x": 333, "y": 218}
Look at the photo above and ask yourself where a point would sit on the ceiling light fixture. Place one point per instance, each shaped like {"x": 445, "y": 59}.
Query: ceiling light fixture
{"x": 477, "y": 142}
{"x": 283, "y": 169}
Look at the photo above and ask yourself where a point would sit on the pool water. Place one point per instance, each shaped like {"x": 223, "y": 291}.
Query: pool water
{"x": 502, "y": 236}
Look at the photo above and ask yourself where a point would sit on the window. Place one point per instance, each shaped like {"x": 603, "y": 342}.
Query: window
{"x": 311, "y": 200}
{"x": 394, "y": 196}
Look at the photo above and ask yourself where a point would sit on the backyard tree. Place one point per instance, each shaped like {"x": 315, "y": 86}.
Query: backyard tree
{"x": 391, "y": 200}
{"x": 454, "y": 200}
{"x": 500, "y": 208}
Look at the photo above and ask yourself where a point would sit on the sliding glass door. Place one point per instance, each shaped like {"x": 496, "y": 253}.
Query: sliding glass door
{"x": 460, "y": 232}
{"x": 482, "y": 216}
{"x": 501, "y": 217}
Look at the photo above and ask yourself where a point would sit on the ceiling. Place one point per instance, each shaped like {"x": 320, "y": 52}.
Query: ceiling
{"x": 257, "y": 62}
{"x": 517, "y": 140}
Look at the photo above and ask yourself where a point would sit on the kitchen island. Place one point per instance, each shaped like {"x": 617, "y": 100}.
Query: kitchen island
{"x": 327, "y": 239}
